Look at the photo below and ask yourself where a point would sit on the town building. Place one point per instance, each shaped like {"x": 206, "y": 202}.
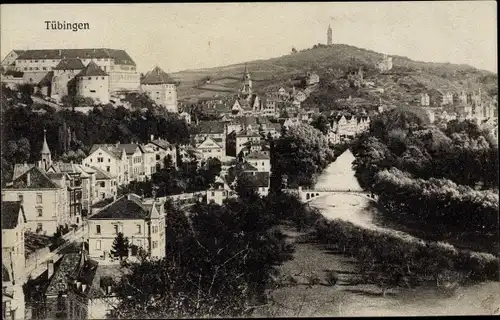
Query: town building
{"x": 211, "y": 148}
{"x": 117, "y": 63}
{"x": 44, "y": 201}
{"x": 143, "y": 224}
{"x": 13, "y": 228}
{"x": 219, "y": 191}
{"x": 186, "y": 116}
{"x": 259, "y": 181}
{"x": 424, "y": 99}
{"x": 385, "y": 64}
{"x": 244, "y": 136}
{"x": 110, "y": 159}
{"x": 106, "y": 186}
{"x": 259, "y": 160}
{"x": 162, "y": 149}
{"x": 12, "y": 292}
{"x": 161, "y": 88}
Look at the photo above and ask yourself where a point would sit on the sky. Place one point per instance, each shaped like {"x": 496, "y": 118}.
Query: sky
{"x": 182, "y": 36}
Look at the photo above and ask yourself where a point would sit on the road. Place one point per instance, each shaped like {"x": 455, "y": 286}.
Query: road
{"x": 41, "y": 265}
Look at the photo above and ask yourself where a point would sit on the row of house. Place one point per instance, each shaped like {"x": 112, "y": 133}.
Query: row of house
{"x": 346, "y": 126}
{"x": 442, "y": 98}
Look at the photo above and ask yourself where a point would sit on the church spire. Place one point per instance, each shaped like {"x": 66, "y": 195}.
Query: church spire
{"x": 46, "y": 157}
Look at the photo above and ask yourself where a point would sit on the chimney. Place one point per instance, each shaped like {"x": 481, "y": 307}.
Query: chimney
{"x": 152, "y": 137}
{"x": 50, "y": 269}
{"x": 84, "y": 286}
{"x": 78, "y": 284}
{"x": 28, "y": 179}
{"x": 108, "y": 291}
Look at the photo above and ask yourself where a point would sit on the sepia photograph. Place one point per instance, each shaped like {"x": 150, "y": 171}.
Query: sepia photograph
{"x": 249, "y": 160}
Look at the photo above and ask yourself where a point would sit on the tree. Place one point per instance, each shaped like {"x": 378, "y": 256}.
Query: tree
{"x": 321, "y": 123}
{"x": 120, "y": 246}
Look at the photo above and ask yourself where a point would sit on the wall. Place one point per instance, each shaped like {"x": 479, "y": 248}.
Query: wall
{"x": 117, "y": 167}
{"x": 55, "y": 208}
{"x": 162, "y": 94}
{"x": 95, "y": 87}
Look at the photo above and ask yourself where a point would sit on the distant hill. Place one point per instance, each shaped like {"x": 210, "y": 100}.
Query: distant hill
{"x": 322, "y": 60}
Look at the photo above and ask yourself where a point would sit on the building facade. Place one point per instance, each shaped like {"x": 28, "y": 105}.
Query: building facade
{"x": 161, "y": 88}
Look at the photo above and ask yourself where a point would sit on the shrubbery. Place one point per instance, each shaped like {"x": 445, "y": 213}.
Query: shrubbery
{"x": 395, "y": 261}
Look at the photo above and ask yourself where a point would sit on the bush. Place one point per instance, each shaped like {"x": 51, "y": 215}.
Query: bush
{"x": 332, "y": 277}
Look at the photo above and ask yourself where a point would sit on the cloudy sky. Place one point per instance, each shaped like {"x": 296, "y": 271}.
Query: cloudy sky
{"x": 188, "y": 36}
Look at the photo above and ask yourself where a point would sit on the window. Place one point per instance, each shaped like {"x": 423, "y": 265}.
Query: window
{"x": 39, "y": 227}
{"x": 98, "y": 229}
{"x": 40, "y": 212}
{"x": 38, "y": 198}
{"x": 103, "y": 184}
{"x": 98, "y": 245}
{"x": 139, "y": 228}
{"x": 90, "y": 78}
{"x": 109, "y": 160}
{"x": 213, "y": 194}
{"x": 100, "y": 159}
{"x": 90, "y": 159}
{"x": 116, "y": 228}
{"x": 139, "y": 243}
{"x": 104, "y": 70}
{"x": 108, "y": 168}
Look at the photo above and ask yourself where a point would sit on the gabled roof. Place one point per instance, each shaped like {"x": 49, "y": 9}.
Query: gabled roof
{"x": 102, "y": 175}
{"x": 211, "y": 127}
{"x": 112, "y": 150}
{"x": 257, "y": 155}
{"x": 70, "y": 64}
{"x": 37, "y": 180}
{"x": 157, "y": 76}
{"x": 47, "y": 79}
{"x": 10, "y": 214}
{"x": 209, "y": 142}
{"x": 91, "y": 70}
{"x": 247, "y": 133}
{"x": 164, "y": 144}
{"x": 127, "y": 207}
{"x": 129, "y": 148}
{"x": 19, "y": 169}
{"x": 245, "y": 166}
{"x": 70, "y": 265}
{"x": 119, "y": 56}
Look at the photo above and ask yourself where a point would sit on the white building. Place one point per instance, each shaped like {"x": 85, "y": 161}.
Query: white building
{"x": 93, "y": 82}
{"x": 259, "y": 160}
{"x": 161, "y": 88}
{"x": 109, "y": 159}
{"x": 115, "y": 62}
{"x": 211, "y": 148}
{"x": 13, "y": 228}
{"x": 143, "y": 224}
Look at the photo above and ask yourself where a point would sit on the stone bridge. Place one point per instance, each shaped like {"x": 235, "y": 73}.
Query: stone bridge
{"x": 307, "y": 195}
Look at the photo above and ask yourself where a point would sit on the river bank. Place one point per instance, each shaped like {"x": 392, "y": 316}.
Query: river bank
{"x": 363, "y": 300}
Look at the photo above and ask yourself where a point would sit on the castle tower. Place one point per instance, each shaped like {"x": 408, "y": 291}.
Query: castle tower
{"x": 329, "y": 36}
{"x": 247, "y": 82}
{"x": 46, "y": 158}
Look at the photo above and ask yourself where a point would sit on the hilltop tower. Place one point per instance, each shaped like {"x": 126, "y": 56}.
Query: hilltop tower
{"x": 46, "y": 157}
{"x": 329, "y": 36}
{"x": 247, "y": 83}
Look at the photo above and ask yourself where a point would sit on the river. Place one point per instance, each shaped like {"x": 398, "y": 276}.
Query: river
{"x": 483, "y": 298}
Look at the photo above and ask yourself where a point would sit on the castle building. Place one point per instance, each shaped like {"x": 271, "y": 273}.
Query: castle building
{"x": 93, "y": 82}
{"x": 161, "y": 88}
{"x": 63, "y": 82}
{"x": 329, "y": 36}
{"x": 246, "y": 89}
{"x": 117, "y": 63}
